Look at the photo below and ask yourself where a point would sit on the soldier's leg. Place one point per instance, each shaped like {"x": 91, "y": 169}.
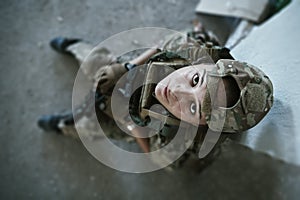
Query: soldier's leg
{"x": 98, "y": 57}
{"x": 92, "y": 59}
{"x": 64, "y": 123}
{"x": 56, "y": 123}
{"x": 80, "y": 50}
{"x": 89, "y": 56}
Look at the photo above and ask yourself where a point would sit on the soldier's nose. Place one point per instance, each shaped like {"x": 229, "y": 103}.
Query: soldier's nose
{"x": 181, "y": 90}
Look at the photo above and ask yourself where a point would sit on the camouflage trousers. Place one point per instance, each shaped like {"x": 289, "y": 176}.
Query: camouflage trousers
{"x": 90, "y": 59}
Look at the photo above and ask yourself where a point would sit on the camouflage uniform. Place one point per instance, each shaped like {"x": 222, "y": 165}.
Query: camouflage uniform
{"x": 255, "y": 100}
{"x": 256, "y": 91}
{"x": 94, "y": 60}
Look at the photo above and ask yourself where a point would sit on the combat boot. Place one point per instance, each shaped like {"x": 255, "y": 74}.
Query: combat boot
{"x": 51, "y": 122}
{"x": 60, "y": 44}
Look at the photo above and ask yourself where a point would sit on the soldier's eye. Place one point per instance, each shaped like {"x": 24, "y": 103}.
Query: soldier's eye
{"x": 193, "y": 108}
{"x": 195, "y": 80}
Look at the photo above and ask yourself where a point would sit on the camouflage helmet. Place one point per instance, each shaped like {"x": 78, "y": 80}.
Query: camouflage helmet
{"x": 255, "y": 98}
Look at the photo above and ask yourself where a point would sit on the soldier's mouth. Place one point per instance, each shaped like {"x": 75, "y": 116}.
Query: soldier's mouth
{"x": 165, "y": 93}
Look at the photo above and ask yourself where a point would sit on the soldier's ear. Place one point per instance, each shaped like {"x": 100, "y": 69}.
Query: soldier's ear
{"x": 232, "y": 91}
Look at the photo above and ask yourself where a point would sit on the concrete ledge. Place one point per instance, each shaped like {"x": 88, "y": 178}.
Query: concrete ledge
{"x": 274, "y": 47}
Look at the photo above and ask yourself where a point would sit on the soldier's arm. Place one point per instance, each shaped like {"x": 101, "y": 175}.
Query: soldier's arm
{"x": 107, "y": 76}
{"x": 144, "y": 56}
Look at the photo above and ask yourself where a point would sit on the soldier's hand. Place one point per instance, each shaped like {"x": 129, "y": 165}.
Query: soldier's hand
{"x": 107, "y": 76}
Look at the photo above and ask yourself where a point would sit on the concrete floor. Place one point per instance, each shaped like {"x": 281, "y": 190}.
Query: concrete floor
{"x": 35, "y": 80}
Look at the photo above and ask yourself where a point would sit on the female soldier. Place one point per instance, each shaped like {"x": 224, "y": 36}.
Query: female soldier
{"x": 198, "y": 92}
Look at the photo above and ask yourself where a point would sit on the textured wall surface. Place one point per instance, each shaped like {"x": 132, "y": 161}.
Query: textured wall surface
{"x": 274, "y": 47}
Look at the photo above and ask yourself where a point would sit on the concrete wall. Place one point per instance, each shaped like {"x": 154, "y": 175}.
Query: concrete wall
{"x": 274, "y": 47}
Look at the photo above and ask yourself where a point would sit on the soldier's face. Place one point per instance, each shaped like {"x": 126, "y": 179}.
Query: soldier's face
{"x": 182, "y": 92}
